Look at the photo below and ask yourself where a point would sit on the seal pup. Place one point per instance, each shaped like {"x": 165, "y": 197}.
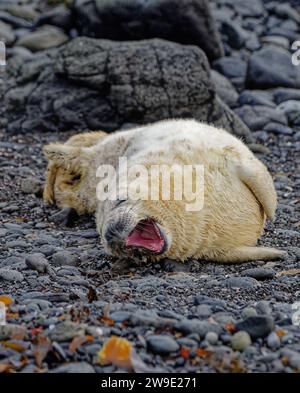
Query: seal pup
{"x": 239, "y": 194}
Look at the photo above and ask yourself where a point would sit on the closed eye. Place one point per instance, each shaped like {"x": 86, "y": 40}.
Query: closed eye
{"x": 119, "y": 202}
{"x": 74, "y": 179}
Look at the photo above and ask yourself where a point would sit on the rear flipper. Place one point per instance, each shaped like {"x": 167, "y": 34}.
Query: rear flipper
{"x": 255, "y": 175}
{"x": 245, "y": 253}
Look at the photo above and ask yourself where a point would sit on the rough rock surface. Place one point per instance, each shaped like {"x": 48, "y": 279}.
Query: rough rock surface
{"x": 272, "y": 67}
{"x": 100, "y": 84}
{"x": 185, "y": 21}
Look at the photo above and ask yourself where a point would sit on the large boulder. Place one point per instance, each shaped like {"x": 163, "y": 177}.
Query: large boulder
{"x": 99, "y": 84}
{"x": 272, "y": 67}
{"x": 184, "y": 21}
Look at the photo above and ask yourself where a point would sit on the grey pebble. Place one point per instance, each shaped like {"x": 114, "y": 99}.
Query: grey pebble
{"x": 212, "y": 338}
{"x": 273, "y": 341}
{"x": 257, "y": 326}
{"x": 240, "y": 282}
{"x": 74, "y": 368}
{"x": 162, "y": 344}
{"x": 11, "y": 275}
{"x": 31, "y": 185}
{"x": 66, "y": 331}
{"x": 37, "y": 262}
{"x": 63, "y": 258}
{"x": 259, "y": 273}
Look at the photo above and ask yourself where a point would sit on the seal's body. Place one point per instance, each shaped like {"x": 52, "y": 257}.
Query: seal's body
{"x": 238, "y": 193}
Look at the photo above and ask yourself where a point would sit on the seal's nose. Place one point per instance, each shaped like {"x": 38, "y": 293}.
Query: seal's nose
{"x": 114, "y": 233}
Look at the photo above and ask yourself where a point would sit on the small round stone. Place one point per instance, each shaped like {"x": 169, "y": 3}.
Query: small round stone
{"x": 248, "y": 312}
{"x": 212, "y": 338}
{"x": 240, "y": 341}
{"x": 273, "y": 341}
{"x": 31, "y": 185}
{"x": 63, "y": 258}
{"x": 162, "y": 345}
{"x": 11, "y": 275}
{"x": 37, "y": 262}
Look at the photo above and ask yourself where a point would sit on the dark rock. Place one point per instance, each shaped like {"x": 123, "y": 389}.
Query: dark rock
{"x": 89, "y": 234}
{"x": 263, "y": 307}
{"x": 3, "y": 232}
{"x": 97, "y": 84}
{"x": 11, "y": 261}
{"x": 66, "y": 331}
{"x": 10, "y": 275}
{"x": 137, "y": 20}
{"x": 6, "y": 33}
{"x": 240, "y": 282}
{"x": 74, "y": 368}
{"x": 59, "y": 16}
{"x": 259, "y": 273}
{"x": 290, "y": 24}
{"x": 37, "y": 262}
{"x": 256, "y": 97}
{"x": 189, "y": 326}
{"x": 235, "y": 34}
{"x": 14, "y": 20}
{"x": 252, "y": 43}
{"x": 150, "y": 318}
{"x": 63, "y": 258}
{"x": 223, "y": 317}
{"x": 120, "y": 316}
{"x": 39, "y": 303}
{"x": 46, "y": 249}
{"x": 224, "y": 88}
{"x": 43, "y": 38}
{"x": 204, "y": 311}
{"x": 9, "y": 330}
{"x": 162, "y": 344}
{"x": 280, "y": 41}
{"x": 231, "y": 67}
{"x": 31, "y": 185}
{"x": 272, "y": 67}
{"x": 291, "y": 110}
{"x": 284, "y": 94}
{"x": 257, "y": 116}
{"x": 276, "y": 128}
{"x": 259, "y": 148}
{"x": 215, "y": 303}
{"x": 18, "y": 244}
{"x": 258, "y": 326}
{"x": 291, "y": 35}
{"x": 286, "y": 11}
{"x": 273, "y": 341}
{"x": 253, "y": 8}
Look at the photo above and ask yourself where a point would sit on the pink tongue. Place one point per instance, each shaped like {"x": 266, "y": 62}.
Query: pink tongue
{"x": 146, "y": 235}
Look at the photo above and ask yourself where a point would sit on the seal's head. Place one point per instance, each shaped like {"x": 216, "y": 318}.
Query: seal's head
{"x": 66, "y": 180}
{"x": 151, "y": 216}
{"x": 135, "y": 228}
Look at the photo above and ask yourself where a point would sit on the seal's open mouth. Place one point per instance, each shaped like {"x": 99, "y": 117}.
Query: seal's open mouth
{"x": 146, "y": 235}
